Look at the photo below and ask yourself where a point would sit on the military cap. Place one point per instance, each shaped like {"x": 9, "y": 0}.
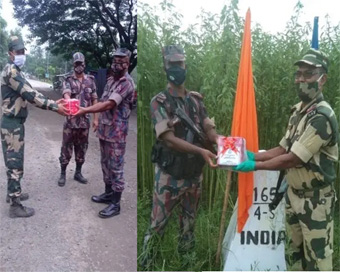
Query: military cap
{"x": 173, "y": 53}
{"x": 122, "y": 52}
{"x": 15, "y": 43}
{"x": 78, "y": 57}
{"x": 314, "y": 58}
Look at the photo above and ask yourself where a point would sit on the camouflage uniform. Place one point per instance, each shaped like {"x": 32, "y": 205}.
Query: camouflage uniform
{"x": 185, "y": 188}
{"x": 310, "y": 197}
{"x": 76, "y": 128}
{"x": 15, "y": 93}
{"x": 169, "y": 192}
{"x": 113, "y": 129}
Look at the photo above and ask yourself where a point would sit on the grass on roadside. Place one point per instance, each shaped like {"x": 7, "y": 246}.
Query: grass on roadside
{"x": 206, "y": 236}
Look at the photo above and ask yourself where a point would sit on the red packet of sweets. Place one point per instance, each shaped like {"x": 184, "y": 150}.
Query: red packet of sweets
{"x": 73, "y": 105}
{"x": 231, "y": 151}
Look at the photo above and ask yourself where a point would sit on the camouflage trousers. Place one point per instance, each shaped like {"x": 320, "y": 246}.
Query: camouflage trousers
{"x": 112, "y": 161}
{"x": 169, "y": 193}
{"x": 77, "y": 138}
{"x": 12, "y": 141}
{"x": 310, "y": 226}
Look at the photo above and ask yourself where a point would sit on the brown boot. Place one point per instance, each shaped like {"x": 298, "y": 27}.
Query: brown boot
{"x": 18, "y": 210}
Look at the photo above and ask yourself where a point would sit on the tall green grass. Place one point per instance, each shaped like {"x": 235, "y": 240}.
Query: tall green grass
{"x": 213, "y": 53}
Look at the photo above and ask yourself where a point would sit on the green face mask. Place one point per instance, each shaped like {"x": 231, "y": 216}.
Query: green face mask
{"x": 308, "y": 91}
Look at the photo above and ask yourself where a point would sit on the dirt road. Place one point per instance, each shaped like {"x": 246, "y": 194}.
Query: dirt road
{"x": 66, "y": 234}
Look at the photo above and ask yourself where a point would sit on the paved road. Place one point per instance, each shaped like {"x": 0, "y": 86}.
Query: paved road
{"x": 66, "y": 234}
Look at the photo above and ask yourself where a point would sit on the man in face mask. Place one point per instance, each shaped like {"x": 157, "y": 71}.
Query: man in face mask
{"x": 115, "y": 106}
{"x": 16, "y": 92}
{"x": 76, "y": 129}
{"x": 179, "y": 156}
{"x": 308, "y": 152}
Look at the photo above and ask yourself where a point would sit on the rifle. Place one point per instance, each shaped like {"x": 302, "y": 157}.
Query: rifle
{"x": 181, "y": 116}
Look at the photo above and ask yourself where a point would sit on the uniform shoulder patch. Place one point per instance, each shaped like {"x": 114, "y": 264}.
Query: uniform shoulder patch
{"x": 90, "y": 76}
{"x": 196, "y": 94}
{"x": 161, "y": 97}
{"x": 311, "y": 113}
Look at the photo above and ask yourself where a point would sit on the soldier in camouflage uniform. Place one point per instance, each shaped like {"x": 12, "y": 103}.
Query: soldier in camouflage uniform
{"x": 177, "y": 180}
{"x": 115, "y": 106}
{"x": 308, "y": 151}
{"x": 76, "y": 128}
{"x": 15, "y": 93}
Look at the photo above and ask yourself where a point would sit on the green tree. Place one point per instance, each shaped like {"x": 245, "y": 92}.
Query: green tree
{"x": 3, "y": 42}
{"x": 40, "y": 72}
{"x": 95, "y": 28}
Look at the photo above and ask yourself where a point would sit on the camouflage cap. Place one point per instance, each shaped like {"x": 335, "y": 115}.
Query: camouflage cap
{"x": 122, "y": 52}
{"x": 173, "y": 53}
{"x": 314, "y": 58}
{"x": 78, "y": 57}
{"x": 15, "y": 43}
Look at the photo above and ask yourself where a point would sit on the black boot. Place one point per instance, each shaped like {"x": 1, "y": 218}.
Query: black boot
{"x": 104, "y": 197}
{"x": 18, "y": 210}
{"x": 62, "y": 179}
{"x": 78, "y": 176}
{"x": 113, "y": 208}
{"x": 23, "y": 197}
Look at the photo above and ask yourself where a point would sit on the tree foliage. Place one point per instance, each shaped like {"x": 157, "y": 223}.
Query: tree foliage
{"x": 3, "y": 42}
{"x": 94, "y": 27}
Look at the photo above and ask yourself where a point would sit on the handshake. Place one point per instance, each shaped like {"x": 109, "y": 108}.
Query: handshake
{"x": 69, "y": 107}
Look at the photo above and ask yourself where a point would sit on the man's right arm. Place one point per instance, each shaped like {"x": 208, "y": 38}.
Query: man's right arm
{"x": 18, "y": 84}
{"x": 270, "y": 154}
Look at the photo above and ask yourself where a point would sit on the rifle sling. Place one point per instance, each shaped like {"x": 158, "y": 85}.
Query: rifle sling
{"x": 174, "y": 105}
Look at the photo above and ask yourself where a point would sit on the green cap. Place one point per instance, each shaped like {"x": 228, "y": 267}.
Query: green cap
{"x": 173, "y": 53}
{"x": 15, "y": 43}
{"x": 314, "y": 58}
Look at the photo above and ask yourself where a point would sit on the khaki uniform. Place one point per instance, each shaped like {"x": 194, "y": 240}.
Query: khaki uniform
{"x": 310, "y": 197}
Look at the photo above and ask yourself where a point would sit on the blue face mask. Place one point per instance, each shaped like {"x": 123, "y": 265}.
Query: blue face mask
{"x": 176, "y": 75}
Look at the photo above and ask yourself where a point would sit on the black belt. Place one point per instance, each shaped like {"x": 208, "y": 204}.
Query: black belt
{"x": 311, "y": 192}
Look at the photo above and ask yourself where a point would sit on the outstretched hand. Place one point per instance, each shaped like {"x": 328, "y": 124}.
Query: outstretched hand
{"x": 62, "y": 107}
{"x": 246, "y": 166}
{"x": 208, "y": 156}
{"x": 80, "y": 112}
